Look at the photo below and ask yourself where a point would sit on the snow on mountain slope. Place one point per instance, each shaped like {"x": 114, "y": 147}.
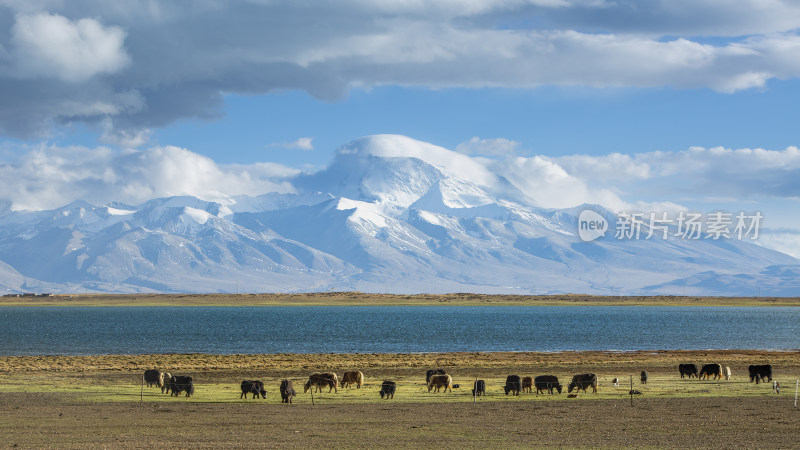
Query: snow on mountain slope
{"x": 179, "y": 244}
{"x": 387, "y": 146}
{"x": 11, "y": 281}
{"x": 389, "y": 214}
{"x": 388, "y": 181}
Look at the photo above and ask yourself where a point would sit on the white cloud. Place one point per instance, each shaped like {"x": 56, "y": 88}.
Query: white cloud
{"x": 705, "y": 179}
{"x": 303, "y": 143}
{"x": 147, "y": 65}
{"x": 123, "y": 138}
{"x": 782, "y": 240}
{"x": 550, "y": 186}
{"x": 717, "y": 177}
{"x": 698, "y": 171}
{"x": 455, "y": 8}
{"x": 612, "y": 167}
{"x": 488, "y": 147}
{"x": 52, "y": 46}
{"x": 391, "y": 146}
{"x": 49, "y": 177}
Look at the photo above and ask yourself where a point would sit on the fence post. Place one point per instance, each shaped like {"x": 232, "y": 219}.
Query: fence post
{"x": 141, "y": 393}
{"x": 796, "y": 384}
{"x": 475, "y": 392}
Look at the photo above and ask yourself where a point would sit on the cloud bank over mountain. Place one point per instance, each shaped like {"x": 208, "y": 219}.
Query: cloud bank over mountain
{"x": 388, "y": 214}
{"x": 46, "y": 176}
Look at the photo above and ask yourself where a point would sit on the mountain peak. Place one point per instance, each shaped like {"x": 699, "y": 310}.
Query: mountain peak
{"x": 397, "y": 146}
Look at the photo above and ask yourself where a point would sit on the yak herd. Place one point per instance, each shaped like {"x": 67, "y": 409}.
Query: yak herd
{"x": 172, "y": 384}
{"x": 437, "y": 380}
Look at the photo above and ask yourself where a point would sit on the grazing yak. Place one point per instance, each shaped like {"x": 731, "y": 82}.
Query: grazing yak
{"x": 254, "y": 387}
{"x": 760, "y": 372}
{"x": 153, "y": 377}
{"x": 353, "y": 377}
{"x": 546, "y": 383}
{"x": 287, "y": 391}
{"x": 320, "y": 379}
{"x": 527, "y": 384}
{"x": 690, "y": 370}
{"x": 180, "y": 383}
{"x": 513, "y": 385}
{"x": 387, "y": 389}
{"x": 583, "y": 381}
{"x": 440, "y": 381}
{"x": 165, "y": 377}
{"x": 711, "y": 369}
{"x": 643, "y": 377}
{"x": 479, "y": 388}
{"x": 432, "y": 372}
{"x": 615, "y": 382}
{"x": 727, "y": 373}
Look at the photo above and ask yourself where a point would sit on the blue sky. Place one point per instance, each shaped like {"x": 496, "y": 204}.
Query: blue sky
{"x": 643, "y": 104}
{"x": 550, "y": 121}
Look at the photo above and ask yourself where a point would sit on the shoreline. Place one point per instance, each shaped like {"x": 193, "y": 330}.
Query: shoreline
{"x": 387, "y": 361}
{"x": 367, "y": 299}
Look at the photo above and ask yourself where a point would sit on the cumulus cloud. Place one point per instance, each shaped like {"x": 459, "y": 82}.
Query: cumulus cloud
{"x": 48, "y": 177}
{"x": 550, "y": 186}
{"x": 488, "y": 147}
{"x": 303, "y": 143}
{"x": 782, "y": 240}
{"x": 123, "y": 138}
{"x": 145, "y": 65}
{"x": 697, "y": 172}
{"x": 657, "y": 181}
{"x": 52, "y": 46}
{"x": 681, "y": 17}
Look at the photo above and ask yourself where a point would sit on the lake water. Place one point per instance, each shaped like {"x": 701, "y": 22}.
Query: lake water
{"x": 368, "y": 329}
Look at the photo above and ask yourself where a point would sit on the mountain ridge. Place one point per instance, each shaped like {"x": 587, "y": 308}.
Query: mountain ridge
{"x": 389, "y": 214}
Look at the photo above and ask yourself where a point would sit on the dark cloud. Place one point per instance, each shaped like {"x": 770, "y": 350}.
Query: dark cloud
{"x": 139, "y": 65}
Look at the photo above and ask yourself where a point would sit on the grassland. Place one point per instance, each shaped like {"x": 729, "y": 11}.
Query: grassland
{"x": 98, "y": 401}
{"x": 365, "y": 299}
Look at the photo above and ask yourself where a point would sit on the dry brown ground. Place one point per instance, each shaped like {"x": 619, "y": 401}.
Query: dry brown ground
{"x": 56, "y": 402}
{"x": 57, "y": 422}
{"x": 360, "y": 298}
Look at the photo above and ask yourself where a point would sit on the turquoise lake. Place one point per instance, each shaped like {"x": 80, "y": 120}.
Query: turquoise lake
{"x": 379, "y": 329}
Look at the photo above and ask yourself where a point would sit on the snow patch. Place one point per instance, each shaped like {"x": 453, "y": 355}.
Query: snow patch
{"x": 118, "y": 212}
{"x": 198, "y": 215}
{"x": 366, "y": 212}
{"x": 75, "y": 243}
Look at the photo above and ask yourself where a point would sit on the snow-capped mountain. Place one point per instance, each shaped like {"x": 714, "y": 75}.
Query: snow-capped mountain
{"x": 390, "y": 214}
